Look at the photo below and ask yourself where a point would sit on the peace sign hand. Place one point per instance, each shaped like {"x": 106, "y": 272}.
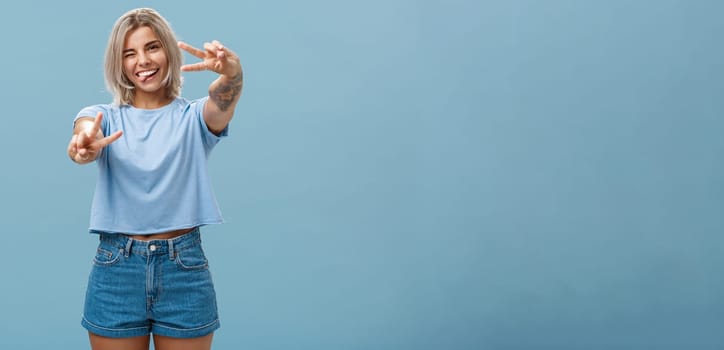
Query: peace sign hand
{"x": 215, "y": 57}
{"x": 85, "y": 145}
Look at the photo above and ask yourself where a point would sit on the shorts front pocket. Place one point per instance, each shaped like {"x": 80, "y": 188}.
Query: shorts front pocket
{"x": 192, "y": 258}
{"x": 106, "y": 257}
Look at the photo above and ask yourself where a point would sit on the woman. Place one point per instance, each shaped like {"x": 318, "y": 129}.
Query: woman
{"x": 150, "y": 275}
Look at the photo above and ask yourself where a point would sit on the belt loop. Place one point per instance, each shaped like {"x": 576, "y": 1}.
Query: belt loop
{"x": 171, "y": 253}
{"x": 128, "y": 246}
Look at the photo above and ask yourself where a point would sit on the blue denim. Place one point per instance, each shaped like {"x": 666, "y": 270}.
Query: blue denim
{"x": 160, "y": 286}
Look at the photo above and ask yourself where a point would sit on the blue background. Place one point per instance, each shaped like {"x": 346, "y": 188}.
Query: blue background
{"x": 405, "y": 174}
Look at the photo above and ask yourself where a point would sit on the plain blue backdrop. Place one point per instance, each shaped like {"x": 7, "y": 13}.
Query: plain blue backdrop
{"x": 405, "y": 174}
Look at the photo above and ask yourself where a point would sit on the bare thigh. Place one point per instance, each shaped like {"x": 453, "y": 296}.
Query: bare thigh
{"x": 168, "y": 343}
{"x": 104, "y": 343}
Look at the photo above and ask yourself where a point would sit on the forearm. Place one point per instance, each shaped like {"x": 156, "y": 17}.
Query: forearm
{"x": 225, "y": 91}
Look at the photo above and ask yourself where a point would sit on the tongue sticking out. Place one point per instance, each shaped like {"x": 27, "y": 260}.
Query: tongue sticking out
{"x": 144, "y": 76}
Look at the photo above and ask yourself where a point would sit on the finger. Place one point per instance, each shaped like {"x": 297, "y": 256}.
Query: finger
{"x": 210, "y": 48}
{"x": 96, "y": 125}
{"x": 71, "y": 146}
{"x": 223, "y": 49}
{"x": 78, "y": 158}
{"x": 194, "y": 67}
{"x": 214, "y": 49}
{"x": 192, "y": 50}
{"x": 109, "y": 139}
{"x": 88, "y": 154}
{"x": 81, "y": 141}
{"x": 83, "y": 144}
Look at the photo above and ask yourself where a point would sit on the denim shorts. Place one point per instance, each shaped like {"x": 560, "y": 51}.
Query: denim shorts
{"x": 162, "y": 287}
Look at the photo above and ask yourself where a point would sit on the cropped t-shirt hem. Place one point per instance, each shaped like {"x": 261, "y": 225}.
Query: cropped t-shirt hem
{"x": 115, "y": 230}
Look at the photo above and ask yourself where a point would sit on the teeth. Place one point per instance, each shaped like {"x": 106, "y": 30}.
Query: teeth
{"x": 146, "y": 73}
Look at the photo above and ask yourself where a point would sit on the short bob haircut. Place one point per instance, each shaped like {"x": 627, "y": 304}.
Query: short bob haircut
{"x": 117, "y": 82}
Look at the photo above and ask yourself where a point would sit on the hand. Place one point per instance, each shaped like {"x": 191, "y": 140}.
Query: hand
{"x": 86, "y": 144}
{"x": 215, "y": 57}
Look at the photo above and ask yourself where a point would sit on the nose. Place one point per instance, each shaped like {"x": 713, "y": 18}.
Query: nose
{"x": 143, "y": 59}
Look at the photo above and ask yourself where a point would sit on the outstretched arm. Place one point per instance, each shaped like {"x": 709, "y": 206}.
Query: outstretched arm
{"x": 88, "y": 141}
{"x": 224, "y": 92}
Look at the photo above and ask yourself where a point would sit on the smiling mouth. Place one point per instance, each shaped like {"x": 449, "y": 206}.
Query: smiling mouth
{"x": 146, "y": 74}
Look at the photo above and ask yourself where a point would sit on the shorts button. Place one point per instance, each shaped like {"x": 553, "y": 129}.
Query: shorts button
{"x": 152, "y": 248}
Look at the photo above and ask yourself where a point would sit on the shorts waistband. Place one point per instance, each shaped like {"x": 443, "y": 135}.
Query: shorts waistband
{"x": 152, "y": 247}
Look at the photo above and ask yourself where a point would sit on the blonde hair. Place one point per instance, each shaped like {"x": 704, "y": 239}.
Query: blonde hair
{"x": 116, "y": 81}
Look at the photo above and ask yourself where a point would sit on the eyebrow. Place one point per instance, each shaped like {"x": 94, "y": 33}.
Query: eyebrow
{"x": 147, "y": 45}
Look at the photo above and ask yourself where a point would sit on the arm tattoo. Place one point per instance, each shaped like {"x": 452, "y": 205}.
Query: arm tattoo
{"x": 226, "y": 93}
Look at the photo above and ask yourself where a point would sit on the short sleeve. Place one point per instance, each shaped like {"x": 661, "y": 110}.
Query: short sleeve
{"x": 210, "y": 139}
{"x": 92, "y": 111}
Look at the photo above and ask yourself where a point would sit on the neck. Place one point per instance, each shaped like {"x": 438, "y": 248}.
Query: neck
{"x": 145, "y": 101}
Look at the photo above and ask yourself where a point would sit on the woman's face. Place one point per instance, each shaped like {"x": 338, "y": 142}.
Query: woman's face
{"x": 144, "y": 61}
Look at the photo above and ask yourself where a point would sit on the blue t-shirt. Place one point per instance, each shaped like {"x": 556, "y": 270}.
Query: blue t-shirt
{"x": 154, "y": 178}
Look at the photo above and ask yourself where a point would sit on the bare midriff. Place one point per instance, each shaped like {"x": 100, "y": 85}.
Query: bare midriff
{"x": 162, "y": 235}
